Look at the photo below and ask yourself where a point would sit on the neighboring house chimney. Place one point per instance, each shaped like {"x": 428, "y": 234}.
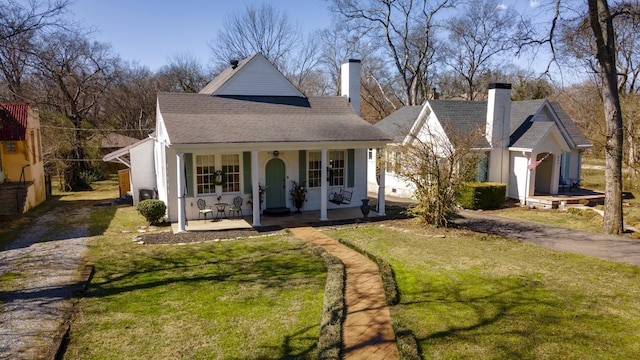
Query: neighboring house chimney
{"x": 498, "y": 130}
{"x": 350, "y": 82}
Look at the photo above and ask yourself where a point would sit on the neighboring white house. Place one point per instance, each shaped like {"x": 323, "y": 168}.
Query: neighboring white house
{"x": 251, "y": 130}
{"x": 532, "y": 146}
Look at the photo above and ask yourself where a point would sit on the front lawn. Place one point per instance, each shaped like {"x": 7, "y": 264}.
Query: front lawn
{"x": 250, "y": 298}
{"x": 473, "y": 296}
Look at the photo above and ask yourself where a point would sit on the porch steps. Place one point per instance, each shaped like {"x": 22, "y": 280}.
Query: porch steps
{"x": 283, "y": 211}
{"x": 13, "y": 197}
{"x": 584, "y": 197}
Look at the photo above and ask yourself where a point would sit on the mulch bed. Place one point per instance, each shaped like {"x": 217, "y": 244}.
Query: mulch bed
{"x": 168, "y": 237}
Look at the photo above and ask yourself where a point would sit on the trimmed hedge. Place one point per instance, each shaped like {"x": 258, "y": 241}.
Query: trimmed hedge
{"x": 482, "y": 195}
{"x": 153, "y": 210}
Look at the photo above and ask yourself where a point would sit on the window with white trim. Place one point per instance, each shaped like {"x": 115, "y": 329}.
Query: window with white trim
{"x": 231, "y": 171}
{"x": 314, "y": 161}
{"x": 205, "y": 174}
{"x": 337, "y": 165}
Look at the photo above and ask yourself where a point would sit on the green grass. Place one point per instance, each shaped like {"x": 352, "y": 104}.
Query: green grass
{"x": 254, "y": 298}
{"x": 587, "y": 220}
{"x": 470, "y": 296}
{"x": 14, "y": 225}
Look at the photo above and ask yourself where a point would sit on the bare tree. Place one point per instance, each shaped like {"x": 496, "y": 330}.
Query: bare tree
{"x": 479, "y": 40}
{"x": 130, "y": 104}
{"x": 301, "y": 67}
{"x": 26, "y": 17}
{"x": 262, "y": 30}
{"x": 602, "y": 50}
{"x": 601, "y": 21}
{"x": 437, "y": 165}
{"x": 406, "y": 29}
{"x": 183, "y": 74}
{"x": 75, "y": 73}
{"x": 21, "y": 23}
{"x": 339, "y": 43}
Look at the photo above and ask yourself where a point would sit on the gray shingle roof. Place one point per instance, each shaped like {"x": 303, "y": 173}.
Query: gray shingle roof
{"x": 532, "y": 132}
{"x": 574, "y": 131}
{"x": 398, "y": 124}
{"x": 205, "y": 119}
{"x": 522, "y": 110}
{"x": 464, "y": 117}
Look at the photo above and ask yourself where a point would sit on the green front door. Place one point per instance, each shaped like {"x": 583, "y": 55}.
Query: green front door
{"x": 276, "y": 184}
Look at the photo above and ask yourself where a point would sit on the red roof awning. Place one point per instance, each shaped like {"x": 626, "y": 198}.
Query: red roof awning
{"x": 13, "y": 121}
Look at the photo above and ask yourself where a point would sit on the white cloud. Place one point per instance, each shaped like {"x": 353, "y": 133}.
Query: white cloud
{"x": 534, "y": 3}
{"x": 502, "y": 7}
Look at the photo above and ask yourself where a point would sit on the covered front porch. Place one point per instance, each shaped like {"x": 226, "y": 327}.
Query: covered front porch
{"x": 305, "y": 218}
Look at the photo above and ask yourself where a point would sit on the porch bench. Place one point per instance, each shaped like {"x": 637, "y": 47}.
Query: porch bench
{"x": 341, "y": 197}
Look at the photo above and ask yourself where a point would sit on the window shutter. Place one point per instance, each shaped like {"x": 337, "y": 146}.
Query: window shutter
{"x": 350, "y": 167}
{"x": 302, "y": 167}
{"x": 246, "y": 171}
{"x": 188, "y": 168}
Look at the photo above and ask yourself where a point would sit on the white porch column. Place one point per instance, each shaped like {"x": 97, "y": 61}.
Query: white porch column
{"x": 324, "y": 186}
{"x": 381, "y": 186}
{"x": 255, "y": 186}
{"x": 180, "y": 192}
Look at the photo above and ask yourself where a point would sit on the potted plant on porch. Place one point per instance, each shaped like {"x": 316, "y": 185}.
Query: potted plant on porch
{"x": 298, "y": 194}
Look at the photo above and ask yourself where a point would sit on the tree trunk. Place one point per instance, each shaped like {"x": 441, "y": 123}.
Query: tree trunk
{"x": 602, "y": 25}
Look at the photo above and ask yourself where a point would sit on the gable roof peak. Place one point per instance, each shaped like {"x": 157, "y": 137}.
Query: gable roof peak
{"x": 253, "y": 76}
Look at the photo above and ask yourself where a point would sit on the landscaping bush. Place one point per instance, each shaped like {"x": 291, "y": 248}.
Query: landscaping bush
{"x": 482, "y": 195}
{"x": 152, "y": 210}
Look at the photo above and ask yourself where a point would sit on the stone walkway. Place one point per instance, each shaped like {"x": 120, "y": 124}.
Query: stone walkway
{"x": 367, "y": 330}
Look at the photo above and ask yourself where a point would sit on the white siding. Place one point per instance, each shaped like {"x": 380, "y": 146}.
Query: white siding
{"x": 519, "y": 177}
{"x": 143, "y": 171}
{"x": 259, "y": 78}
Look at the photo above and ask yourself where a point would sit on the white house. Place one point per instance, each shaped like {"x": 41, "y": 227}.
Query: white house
{"x": 532, "y": 146}
{"x": 251, "y": 131}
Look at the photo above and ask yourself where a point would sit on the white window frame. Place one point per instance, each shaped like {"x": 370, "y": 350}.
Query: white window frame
{"x": 314, "y": 169}
{"x": 205, "y": 178}
{"x": 338, "y": 165}
{"x": 230, "y": 165}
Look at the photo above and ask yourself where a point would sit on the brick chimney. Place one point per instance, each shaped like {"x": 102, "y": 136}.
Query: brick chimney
{"x": 350, "y": 82}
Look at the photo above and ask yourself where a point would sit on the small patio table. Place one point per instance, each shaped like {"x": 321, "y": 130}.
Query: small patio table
{"x": 221, "y": 208}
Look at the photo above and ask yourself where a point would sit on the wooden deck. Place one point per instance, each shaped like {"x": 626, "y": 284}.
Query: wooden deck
{"x": 567, "y": 197}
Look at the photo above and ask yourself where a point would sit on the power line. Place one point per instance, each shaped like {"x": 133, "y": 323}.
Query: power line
{"x": 75, "y": 160}
{"x": 94, "y": 129}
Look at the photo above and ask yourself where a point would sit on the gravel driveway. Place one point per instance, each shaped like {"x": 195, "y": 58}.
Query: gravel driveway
{"x": 45, "y": 263}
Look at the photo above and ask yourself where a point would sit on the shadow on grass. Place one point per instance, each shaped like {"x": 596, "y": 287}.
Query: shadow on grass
{"x": 263, "y": 265}
{"x": 508, "y": 318}
{"x": 288, "y": 349}
{"x": 54, "y": 220}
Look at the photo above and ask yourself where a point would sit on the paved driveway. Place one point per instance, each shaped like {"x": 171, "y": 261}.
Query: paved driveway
{"x": 608, "y": 247}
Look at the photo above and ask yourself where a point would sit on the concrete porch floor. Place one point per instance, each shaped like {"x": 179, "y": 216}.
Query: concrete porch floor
{"x": 304, "y": 218}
